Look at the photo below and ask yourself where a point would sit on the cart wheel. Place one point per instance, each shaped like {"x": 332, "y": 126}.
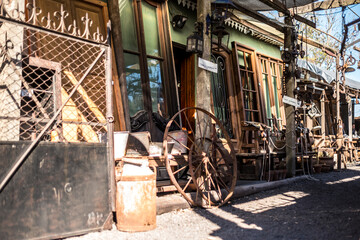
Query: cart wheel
{"x": 210, "y": 165}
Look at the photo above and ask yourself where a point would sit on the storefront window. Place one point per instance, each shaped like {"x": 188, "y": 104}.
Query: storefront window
{"x": 144, "y": 58}
{"x": 129, "y": 40}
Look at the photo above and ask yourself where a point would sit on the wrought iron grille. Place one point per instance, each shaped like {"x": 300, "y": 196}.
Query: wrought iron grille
{"x": 220, "y": 96}
{"x": 52, "y": 74}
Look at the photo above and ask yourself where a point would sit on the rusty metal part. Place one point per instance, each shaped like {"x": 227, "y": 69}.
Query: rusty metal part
{"x": 211, "y": 167}
{"x": 135, "y": 198}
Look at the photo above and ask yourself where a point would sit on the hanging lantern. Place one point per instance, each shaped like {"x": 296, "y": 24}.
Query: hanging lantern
{"x": 218, "y": 18}
{"x": 195, "y": 42}
{"x": 218, "y": 29}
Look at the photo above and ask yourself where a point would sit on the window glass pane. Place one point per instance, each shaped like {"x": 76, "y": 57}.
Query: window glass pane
{"x": 248, "y": 61}
{"x": 241, "y": 59}
{"x": 244, "y": 80}
{"x": 128, "y": 28}
{"x": 251, "y": 81}
{"x": 273, "y": 70}
{"x": 133, "y": 80}
{"x": 267, "y": 97}
{"x": 263, "y": 66}
{"x": 156, "y": 86}
{"x": 247, "y": 100}
{"x": 150, "y": 29}
{"x": 276, "y": 97}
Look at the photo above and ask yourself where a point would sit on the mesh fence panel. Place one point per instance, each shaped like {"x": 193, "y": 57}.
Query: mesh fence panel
{"x": 38, "y": 71}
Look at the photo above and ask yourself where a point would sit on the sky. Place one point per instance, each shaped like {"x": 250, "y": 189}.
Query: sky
{"x": 337, "y": 31}
{"x": 350, "y": 15}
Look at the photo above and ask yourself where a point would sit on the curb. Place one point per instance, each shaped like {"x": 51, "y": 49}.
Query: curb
{"x": 173, "y": 202}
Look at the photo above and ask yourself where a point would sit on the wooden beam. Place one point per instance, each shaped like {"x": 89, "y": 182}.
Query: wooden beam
{"x": 328, "y": 4}
{"x": 260, "y": 17}
{"x": 329, "y": 50}
{"x": 280, "y": 7}
{"x": 304, "y": 20}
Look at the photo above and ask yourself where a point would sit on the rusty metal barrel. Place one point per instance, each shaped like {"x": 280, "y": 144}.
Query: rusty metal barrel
{"x": 135, "y": 196}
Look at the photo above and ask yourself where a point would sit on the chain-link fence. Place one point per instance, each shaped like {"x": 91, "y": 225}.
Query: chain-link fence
{"x": 39, "y": 70}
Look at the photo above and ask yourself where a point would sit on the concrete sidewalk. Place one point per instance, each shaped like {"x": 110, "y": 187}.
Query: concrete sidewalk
{"x": 175, "y": 201}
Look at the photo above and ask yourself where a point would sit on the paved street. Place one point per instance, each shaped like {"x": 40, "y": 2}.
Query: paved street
{"x": 326, "y": 207}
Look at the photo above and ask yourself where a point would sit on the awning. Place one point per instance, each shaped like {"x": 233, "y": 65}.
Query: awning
{"x": 328, "y": 76}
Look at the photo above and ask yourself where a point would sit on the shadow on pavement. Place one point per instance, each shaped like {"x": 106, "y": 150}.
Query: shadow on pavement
{"x": 324, "y": 209}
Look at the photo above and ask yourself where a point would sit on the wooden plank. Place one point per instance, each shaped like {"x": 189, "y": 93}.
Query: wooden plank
{"x": 158, "y": 161}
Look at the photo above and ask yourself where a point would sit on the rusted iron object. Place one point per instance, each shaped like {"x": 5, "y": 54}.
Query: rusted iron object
{"x": 135, "y": 197}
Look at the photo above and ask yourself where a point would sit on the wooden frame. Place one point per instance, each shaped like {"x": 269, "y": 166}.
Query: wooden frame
{"x": 165, "y": 60}
{"x": 278, "y": 62}
{"x": 240, "y": 86}
{"x": 231, "y": 94}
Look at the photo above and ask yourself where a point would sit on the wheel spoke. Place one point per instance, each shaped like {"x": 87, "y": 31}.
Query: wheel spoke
{"x": 179, "y": 142}
{"x": 177, "y": 124}
{"x": 224, "y": 184}
{"x": 192, "y": 130}
{"x": 187, "y": 184}
{"x": 218, "y": 188}
{"x": 197, "y": 168}
{"x": 209, "y": 202}
{"x": 180, "y": 169}
{"x": 220, "y": 179}
{"x": 210, "y": 162}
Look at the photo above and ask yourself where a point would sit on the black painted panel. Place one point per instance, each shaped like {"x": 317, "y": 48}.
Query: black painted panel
{"x": 59, "y": 190}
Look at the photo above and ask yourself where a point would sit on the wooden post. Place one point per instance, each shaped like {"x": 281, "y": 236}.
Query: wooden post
{"x": 203, "y": 84}
{"x": 290, "y": 110}
{"x": 323, "y": 127}
{"x": 120, "y": 90}
{"x": 350, "y": 120}
{"x": 339, "y": 128}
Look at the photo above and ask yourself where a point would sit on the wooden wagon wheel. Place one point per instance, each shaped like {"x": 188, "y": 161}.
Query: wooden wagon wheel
{"x": 210, "y": 165}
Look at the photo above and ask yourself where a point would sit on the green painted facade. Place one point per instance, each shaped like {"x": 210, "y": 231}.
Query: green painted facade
{"x": 180, "y": 35}
{"x": 257, "y": 44}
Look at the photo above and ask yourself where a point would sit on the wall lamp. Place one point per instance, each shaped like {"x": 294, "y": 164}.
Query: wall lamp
{"x": 178, "y": 21}
{"x": 195, "y": 42}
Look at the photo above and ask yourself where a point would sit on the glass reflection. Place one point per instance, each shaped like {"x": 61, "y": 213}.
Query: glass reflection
{"x": 156, "y": 86}
{"x": 133, "y": 80}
